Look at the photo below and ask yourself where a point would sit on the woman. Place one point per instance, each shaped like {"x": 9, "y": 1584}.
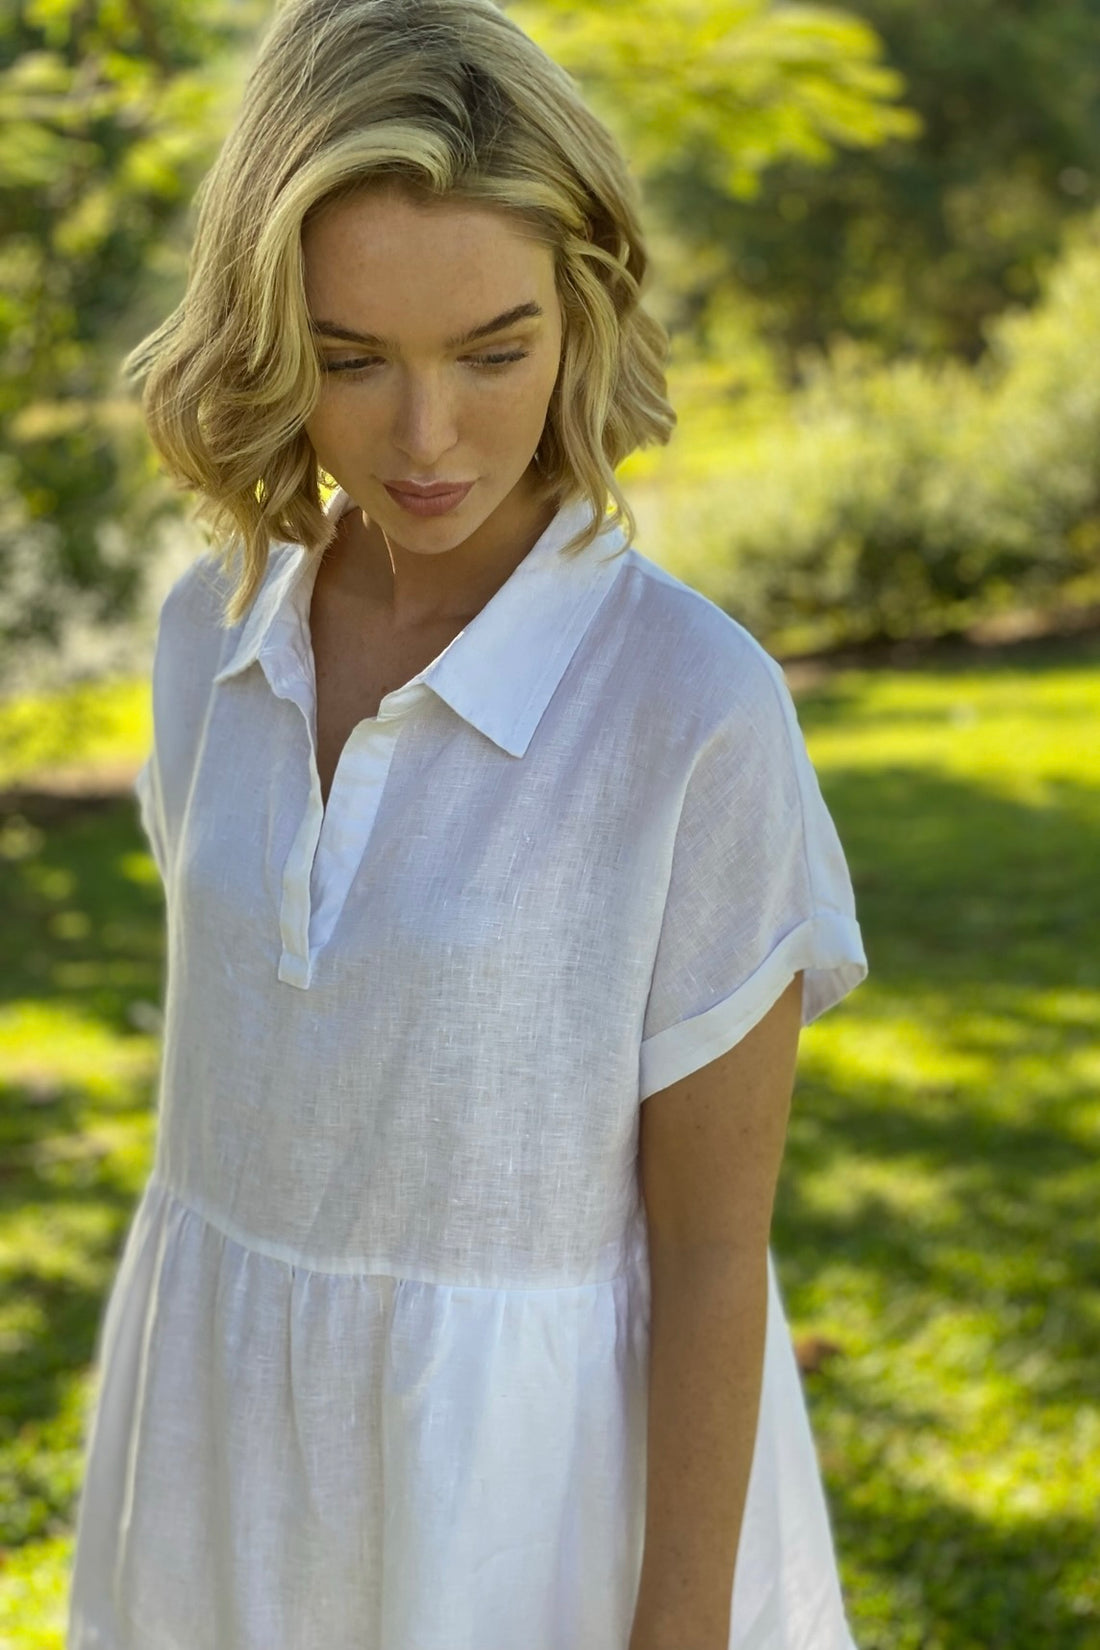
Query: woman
{"x": 497, "y": 883}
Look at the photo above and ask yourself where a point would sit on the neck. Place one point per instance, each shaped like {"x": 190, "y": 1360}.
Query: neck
{"x": 416, "y": 589}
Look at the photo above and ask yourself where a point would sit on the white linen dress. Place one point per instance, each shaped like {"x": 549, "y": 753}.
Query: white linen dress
{"x": 372, "y": 1374}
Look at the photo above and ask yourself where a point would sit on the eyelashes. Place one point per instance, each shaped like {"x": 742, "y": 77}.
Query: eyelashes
{"x": 353, "y": 370}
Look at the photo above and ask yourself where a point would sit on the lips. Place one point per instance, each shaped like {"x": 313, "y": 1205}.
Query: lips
{"x": 438, "y": 489}
{"x": 433, "y": 503}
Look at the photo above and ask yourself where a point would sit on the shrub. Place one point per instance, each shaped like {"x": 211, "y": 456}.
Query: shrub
{"x": 903, "y": 499}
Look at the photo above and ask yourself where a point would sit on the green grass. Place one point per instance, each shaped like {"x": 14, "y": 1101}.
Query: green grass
{"x": 97, "y": 722}
{"x": 936, "y": 1211}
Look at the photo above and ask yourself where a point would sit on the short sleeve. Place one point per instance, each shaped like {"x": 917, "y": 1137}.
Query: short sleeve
{"x": 759, "y": 890}
{"x": 147, "y": 791}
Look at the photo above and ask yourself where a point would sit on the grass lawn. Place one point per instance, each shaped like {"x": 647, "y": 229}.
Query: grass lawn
{"x": 936, "y": 1216}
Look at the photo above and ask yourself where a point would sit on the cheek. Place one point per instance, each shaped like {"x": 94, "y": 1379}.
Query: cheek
{"x": 340, "y": 421}
{"x": 511, "y": 414}
{"x": 322, "y": 422}
{"x": 521, "y": 406}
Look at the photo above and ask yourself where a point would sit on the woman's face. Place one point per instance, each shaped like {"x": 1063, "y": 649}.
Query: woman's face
{"x": 405, "y": 400}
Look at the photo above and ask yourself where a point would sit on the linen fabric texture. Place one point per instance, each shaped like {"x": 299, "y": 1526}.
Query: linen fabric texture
{"x": 372, "y": 1373}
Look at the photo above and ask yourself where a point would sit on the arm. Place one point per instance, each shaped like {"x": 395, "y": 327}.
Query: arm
{"x": 709, "y": 1153}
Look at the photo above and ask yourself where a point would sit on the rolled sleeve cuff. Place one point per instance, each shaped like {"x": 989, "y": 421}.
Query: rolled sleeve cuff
{"x": 827, "y": 948}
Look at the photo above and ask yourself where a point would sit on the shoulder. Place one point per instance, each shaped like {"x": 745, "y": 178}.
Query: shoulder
{"x": 193, "y": 609}
{"x": 719, "y": 712}
{"x": 696, "y": 657}
{"x": 192, "y": 638}
{"x": 197, "y": 597}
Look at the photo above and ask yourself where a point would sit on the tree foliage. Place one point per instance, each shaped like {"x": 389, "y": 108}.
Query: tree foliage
{"x": 724, "y": 88}
{"x": 913, "y": 247}
{"x": 109, "y": 114}
{"x": 894, "y": 500}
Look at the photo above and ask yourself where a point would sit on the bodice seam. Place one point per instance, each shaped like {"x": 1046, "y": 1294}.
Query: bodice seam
{"x": 380, "y": 1273}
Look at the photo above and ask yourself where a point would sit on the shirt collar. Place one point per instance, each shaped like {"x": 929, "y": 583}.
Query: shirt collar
{"x": 500, "y": 672}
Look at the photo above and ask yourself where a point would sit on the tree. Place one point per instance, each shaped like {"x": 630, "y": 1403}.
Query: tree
{"x": 710, "y": 97}
{"x": 109, "y": 114}
{"x": 914, "y": 248}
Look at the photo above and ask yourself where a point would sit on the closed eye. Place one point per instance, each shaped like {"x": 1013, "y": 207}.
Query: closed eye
{"x": 366, "y": 363}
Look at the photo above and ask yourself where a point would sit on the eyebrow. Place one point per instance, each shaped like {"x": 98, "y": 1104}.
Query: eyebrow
{"x": 521, "y": 312}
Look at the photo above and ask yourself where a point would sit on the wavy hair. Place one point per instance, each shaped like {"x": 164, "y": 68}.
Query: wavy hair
{"x": 440, "y": 99}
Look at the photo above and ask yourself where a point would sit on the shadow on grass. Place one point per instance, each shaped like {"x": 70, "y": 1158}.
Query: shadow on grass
{"x": 979, "y": 915}
{"x": 70, "y": 896}
{"x": 963, "y": 1582}
{"x": 832, "y": 681}
{"x": 81, "y": 970}
{"x": 956, "y": 882}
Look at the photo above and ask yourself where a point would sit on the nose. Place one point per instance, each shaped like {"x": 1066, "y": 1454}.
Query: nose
{"x": 425, "y": 424}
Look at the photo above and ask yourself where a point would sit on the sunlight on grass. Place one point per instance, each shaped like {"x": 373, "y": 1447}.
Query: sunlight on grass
{"x": 936, "y": 1213}
{"x": 98, "y": 721}
{"x": 907, "y": 1048}
{"x": 1014, "y": 728}
{"x": 57, "y": 1233}
{"x": 34, "y": 1594}
{"x": 52, "y": 1039}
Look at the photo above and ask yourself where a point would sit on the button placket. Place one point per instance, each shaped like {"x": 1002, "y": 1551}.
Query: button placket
{"x": 331, "y": 841}
{"x": 295, "y": 964}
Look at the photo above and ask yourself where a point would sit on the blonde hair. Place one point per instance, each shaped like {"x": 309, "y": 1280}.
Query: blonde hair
{"x": 438, "y": 98}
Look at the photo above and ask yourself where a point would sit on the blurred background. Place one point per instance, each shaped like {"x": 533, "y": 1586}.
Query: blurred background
{"x": 875, "y": 233}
